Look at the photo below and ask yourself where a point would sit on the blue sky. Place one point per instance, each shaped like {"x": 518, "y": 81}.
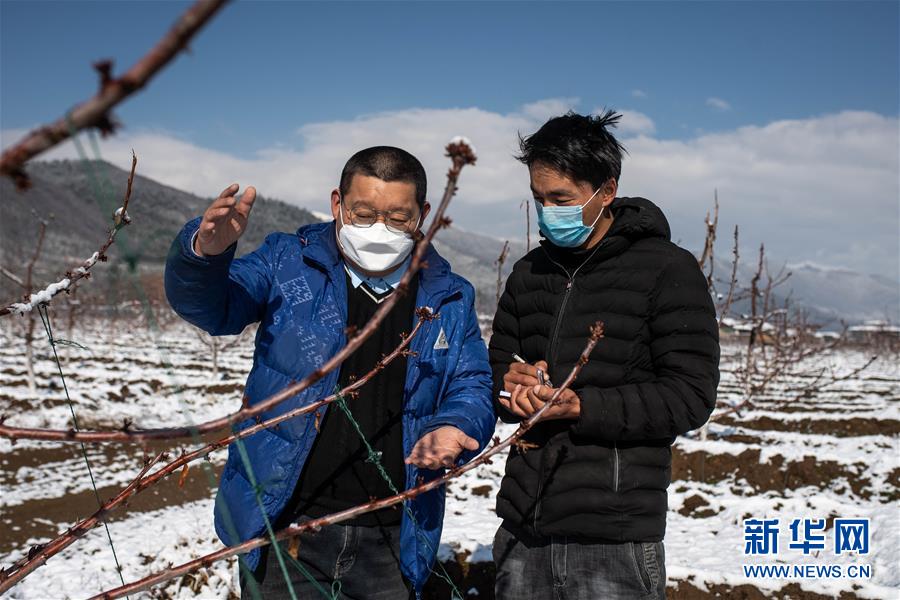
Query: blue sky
{"x": 316, "y": 61}
{"x": 271, "y": 79}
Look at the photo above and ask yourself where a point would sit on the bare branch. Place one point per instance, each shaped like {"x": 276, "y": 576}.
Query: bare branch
{"x": 709, "y": 244}
{"x": 729, "y": 299}
{"x": 38, "y": 555}
{"x": 95, "y": 112}
{"x": 461, "y": 154}
{"x": 120, "y": 220}
{"x": 526, "y": 204}
{"x": 294, "y": 530}
{"x": 500, "y": 261}
{"x": 12, "y": 276}
{"x": 19, "y": 570}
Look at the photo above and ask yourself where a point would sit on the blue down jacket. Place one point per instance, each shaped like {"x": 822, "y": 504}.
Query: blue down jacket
{"x": 294, "y": 285}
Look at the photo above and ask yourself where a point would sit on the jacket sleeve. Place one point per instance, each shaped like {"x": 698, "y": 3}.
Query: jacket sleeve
{"x": 219, "y": 294}
{"x": 466, "y": 402}
{"x": 504, "y": 342}
{"x": 684, "y": 347}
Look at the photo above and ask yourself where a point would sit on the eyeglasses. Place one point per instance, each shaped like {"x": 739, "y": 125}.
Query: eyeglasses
{"x": 397, "y": 221}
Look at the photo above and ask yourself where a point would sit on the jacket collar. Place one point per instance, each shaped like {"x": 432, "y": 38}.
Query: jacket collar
{"x": 320, "y": 246}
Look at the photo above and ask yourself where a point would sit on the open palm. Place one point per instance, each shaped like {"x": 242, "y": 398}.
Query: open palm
{"x": 224, "y": 221}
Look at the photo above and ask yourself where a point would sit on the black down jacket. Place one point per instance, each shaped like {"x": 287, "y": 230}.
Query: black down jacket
{"x": 652, "y": 377}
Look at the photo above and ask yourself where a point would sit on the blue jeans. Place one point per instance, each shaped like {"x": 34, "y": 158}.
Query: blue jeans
{"x": 566, "y": 569}
{"x": 364, "y": 560}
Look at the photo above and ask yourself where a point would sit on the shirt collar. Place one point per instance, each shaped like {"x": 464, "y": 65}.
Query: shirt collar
{"x": 379, "y": 285}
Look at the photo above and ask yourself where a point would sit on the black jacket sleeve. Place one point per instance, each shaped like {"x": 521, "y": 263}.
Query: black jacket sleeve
{"x": 684, "y": 348}
{"x": 504, "y": 342}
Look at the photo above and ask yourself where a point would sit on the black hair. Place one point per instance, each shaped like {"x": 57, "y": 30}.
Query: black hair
{"x": 387, "y": 163}
{"x": 577, "y": 145}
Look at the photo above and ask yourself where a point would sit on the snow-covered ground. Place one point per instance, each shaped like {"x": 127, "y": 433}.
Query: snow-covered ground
{"x": 832, "y": 453}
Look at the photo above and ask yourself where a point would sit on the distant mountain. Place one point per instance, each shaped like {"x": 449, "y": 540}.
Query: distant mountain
{"x": 831, "y": 294}
{"x": 81, "y": 196}
{"x": 474, "y": 256}
{"x": 828, "y": 295}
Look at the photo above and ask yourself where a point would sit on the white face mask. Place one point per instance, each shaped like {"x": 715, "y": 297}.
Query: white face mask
{"x": 374, "y": 248}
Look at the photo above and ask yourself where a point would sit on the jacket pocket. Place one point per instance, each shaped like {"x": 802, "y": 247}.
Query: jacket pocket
{"x": 646, "y": 558}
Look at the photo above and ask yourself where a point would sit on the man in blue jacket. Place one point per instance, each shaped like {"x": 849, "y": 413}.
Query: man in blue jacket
{"x": 424, "y": 412}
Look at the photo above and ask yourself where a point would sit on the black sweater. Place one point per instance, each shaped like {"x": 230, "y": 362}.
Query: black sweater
{"x": 651, "y": 377}
{"x": 336, "y": 475}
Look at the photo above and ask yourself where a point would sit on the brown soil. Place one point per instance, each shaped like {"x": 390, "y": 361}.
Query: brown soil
{"x": 893, "y": 481}
{"x": 684, "y": 590}
{"x": 225, "y": 388}
{"x": 696, "y": 506}
{"x": 743, "y": 438}
{"x": 852, "y": 427}
{"x": 67, "y": 510}
{"x": 776, "y": 474}
{"x": 482, "y": 490}
{"x": 465, "y": 576}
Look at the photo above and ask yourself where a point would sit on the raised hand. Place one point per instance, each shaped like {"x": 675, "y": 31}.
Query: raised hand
{"x": 224, "y": 221}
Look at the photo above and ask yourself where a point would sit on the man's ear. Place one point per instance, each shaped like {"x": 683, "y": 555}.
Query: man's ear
{"x": 609, "y": 190}
{"x": 418, "y": 234}
{"x": 336, "y": 204}
{"x": 426, "y": 208}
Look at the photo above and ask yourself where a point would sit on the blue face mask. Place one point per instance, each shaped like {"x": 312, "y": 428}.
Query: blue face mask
{"x": 564, "y": 225}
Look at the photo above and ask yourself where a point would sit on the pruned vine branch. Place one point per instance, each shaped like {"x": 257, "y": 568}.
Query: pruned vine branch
{"x": 38, "y": 555}
{"x": 596, "y": 333}
{"x": 461, "y": 154}
{"x": 501, "y": 260}
{"x": 44, "y": 296}
{"x": 95, "y": 112}
{"x": 778, "y": 338}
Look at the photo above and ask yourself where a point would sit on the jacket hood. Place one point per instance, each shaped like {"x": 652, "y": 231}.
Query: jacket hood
{"x": 637, "y": 218}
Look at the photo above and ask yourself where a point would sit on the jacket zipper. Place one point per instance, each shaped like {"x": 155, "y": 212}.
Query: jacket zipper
{"x": 553, "y": 342}
{"x": 562, "y": 307}
{"x": 615, "y": 467}
{"x": 537, "y": 499}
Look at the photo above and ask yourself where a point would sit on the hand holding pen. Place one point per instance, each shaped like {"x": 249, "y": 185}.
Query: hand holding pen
{"x": 526, "y": 388}
{"x": 522, "y": 373}
{"x": 540, "y": 366}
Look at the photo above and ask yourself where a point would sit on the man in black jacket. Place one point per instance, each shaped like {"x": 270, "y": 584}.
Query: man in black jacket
{"x": 583, "y": 501}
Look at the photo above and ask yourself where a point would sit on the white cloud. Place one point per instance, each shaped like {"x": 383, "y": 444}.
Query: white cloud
{"x": 823, "y": 188}
{"x": 718, "y": 104}
{"x": 638, "y": 94}
{"x": 543, "y": 110}
{"x": 635, "y": 123}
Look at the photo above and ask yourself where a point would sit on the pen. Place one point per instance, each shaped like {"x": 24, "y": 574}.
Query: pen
{"x": 543, "y": 380}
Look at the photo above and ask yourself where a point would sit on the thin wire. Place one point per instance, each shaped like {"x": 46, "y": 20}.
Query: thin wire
{"x": 257, "y": 488}
{"x": 131, "y": 259}
{"x": 137, "y": 284}
{"x": 373, "y": 456}
{"x": 45, "y": 320}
